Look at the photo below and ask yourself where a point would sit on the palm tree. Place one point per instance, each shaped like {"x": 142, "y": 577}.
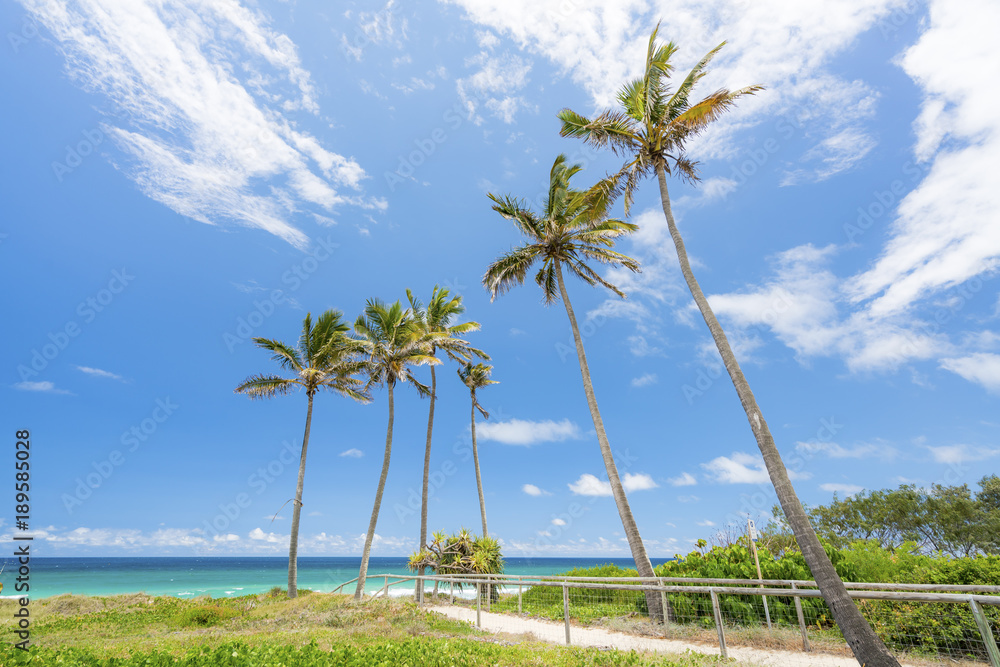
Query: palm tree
{"x": 573, "y": 228}
{"x": 326, "y": 358}
{"x": 392, "y": 342}
{"x": 476, "y": 377}
{"x": 650, "y": 131}
{"x": 437, "y": 318}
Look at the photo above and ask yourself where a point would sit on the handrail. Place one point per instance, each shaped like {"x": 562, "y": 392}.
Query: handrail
{"x": 338, "y": 588}
{"x": 733, "y": 590}
{"x": 964, "y": 588}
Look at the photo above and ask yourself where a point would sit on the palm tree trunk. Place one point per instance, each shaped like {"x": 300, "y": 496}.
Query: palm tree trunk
{"x": 363, "y": 572}
{"x": 868, "y": 649}
{"x": 427, "y": 471}
{"x": 475, "y": 458}
{"x": 642, "y": 564}
{"x": 293, "y": 539}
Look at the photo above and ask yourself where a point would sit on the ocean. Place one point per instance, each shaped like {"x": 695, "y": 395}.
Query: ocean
{"x": 235, "y": 576}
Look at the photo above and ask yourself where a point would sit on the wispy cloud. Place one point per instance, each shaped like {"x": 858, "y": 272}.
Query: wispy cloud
{"x": 961, "y": 453}
{"x": 352, "y": 453}
{"x": 97, "y": 372}
{"x": 743, "y": 468}
{"x": 589, "y": 485}
{"x": 533, "y": 490}
{"x": 644, "y": 380}
{"x": 43, "y": 386}
{"x": 684, "y": 479}
{"x": 523, "y": 432}
{"x": 211, "y": 130}
{"x": 846, "y": 489}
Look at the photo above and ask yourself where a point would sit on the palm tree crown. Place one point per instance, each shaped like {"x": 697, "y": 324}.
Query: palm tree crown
{"x": 325, "y": 358}
{"x": 437, "y": 318}
{"x": 573, "y": 228}
{"x": 393, "y": 340}
{"x": 654, "y": 122}
{"x": 477, "y": 376}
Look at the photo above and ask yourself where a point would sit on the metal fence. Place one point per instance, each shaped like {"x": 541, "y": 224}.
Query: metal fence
{"x": 930, "y": 622}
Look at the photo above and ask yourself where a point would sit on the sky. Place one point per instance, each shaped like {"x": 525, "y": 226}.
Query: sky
{"x": 184, "y": 175}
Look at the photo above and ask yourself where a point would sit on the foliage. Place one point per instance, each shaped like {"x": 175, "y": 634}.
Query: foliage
{"x": 916, "y": 627}
{"x": 461, "y": 553}
{"x": 947, "y": 519}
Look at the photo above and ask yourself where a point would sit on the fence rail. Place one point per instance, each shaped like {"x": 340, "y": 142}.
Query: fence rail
{"x": 937, "y": 622}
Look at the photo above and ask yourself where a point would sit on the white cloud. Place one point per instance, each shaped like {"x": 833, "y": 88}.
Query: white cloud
{"x": 97, "y": 372}
{"x": 743, "y": 468}
{"x": 685, "y": 479}
{"x": 209, "y": 128}
{"x": 43, "y": 386}
{"x": 259, "y": 535}
{"x": 495, "y": 85}
{"x": 688, "y": 499}
{"x": 645, "y": 380}
{"x": 945, "y": 232}
{"x": 706, "y": 523}
{"x": 589, "y": 485}
{"x": 845, "y": 489}
{"x": 352, "y": 453}
{"x": 558, "y": 522}
{"x": 980, "y": 367}
{"x": 523, "y": 432}
{"x": 533, "y": 490}
{"x": 860, "y": 451}
{"x": 950, "y": 454}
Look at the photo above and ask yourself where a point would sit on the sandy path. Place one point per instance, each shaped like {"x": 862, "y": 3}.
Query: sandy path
{"x": 555, "y": 633}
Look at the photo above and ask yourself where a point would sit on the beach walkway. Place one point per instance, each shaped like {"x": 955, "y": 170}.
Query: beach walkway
{"x": 555, "y": 633}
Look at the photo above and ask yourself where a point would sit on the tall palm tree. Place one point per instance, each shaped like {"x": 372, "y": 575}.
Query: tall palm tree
{"x": 392, "y": 342}
{"x": 325, "y": 358}
{"x": 437, "y": 318}
{"x": 573, "y": 228}
{"x": 650, "y": 130}
{"x": 476, "y": 377}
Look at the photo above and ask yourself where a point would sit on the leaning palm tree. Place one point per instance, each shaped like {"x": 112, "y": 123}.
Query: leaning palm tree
{"x": 476, "y": 377}
{"x": 574, "y": 227}
{"x": 326, "y": 358}
{"x": 438, "y": 318}
{"x": 650, "y": 131}
{"x": 392, "y": 342}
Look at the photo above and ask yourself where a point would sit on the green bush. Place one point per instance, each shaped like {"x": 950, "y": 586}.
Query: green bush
{"x": 203, "y": 616}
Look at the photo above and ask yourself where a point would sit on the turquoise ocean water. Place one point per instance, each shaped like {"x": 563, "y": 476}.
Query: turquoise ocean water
{"x": 231, "y": 577}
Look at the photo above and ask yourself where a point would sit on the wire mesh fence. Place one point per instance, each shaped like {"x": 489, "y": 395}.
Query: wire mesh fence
{"x": 958, "y": 626}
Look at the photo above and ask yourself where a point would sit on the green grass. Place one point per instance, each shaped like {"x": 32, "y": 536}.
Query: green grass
{"x": 268, "y": 629}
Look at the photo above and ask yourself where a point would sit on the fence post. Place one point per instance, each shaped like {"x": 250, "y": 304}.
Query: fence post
{"x": 489, "y": 592}
{"x": 479, "y": 604}
{"x": 452, "y": 591}
{"x": 984, "y": 630}
{"x": 665, "y": 602}
{"x": 385, "y": 586}
{"x": 718, "y": 623}
{"x": 519, "y": 595}
{"x": 802, "y": 621}
{"x": 566, "y": 610}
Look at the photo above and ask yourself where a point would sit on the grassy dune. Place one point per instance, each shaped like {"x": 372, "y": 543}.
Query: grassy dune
{"x": 268, "y": 629}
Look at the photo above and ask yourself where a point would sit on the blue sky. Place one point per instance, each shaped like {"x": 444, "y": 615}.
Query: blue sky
{"x": 181, "y": 176}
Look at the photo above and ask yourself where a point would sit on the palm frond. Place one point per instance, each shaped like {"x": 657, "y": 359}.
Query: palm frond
{"x": 266, "y": 386}
{"x": 283, "y": 353}
{"x": 510, "y": 269}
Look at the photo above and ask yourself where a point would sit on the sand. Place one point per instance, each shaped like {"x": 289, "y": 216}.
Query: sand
{"x": 555, "y": 633}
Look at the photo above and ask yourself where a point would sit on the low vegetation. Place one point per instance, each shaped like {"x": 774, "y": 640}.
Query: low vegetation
{"x": 270, "y": 630}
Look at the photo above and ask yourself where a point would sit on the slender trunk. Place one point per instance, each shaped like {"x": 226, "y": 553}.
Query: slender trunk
{"x": 868, "y": 649}
{"x": 642, "y": 564}
{"x": 293, "y": 539}
{"x": 363, "y": 572}
{"x": 427, "y": 471}
{"x": 475, "y": 458}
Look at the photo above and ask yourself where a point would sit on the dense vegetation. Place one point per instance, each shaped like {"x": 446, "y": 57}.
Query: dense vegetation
{"x": 947, "y": 519}
{"x": 922, "y": 628}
